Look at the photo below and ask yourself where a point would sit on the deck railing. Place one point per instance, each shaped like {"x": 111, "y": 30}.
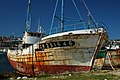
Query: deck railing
{"x": 78, "y": 26}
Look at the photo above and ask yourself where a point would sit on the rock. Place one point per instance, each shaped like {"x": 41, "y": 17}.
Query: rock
{"x": 18, "y": 77}
{"x": 24, "y": 77}
{"x": 70, "y": 74}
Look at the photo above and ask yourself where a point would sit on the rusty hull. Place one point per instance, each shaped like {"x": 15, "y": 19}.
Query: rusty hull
{"x": 28, "y": 67}
{"x": 61, "y": 58}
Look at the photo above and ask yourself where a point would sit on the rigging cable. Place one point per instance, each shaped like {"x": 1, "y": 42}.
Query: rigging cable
{"x": 89, "y": 13}
{"x": 53, "y": 17}
{"x": 78, "y": 12}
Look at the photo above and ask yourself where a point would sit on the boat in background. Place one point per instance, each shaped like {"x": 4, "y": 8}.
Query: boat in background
{"x": 67, "y": 51}
{"x": 113, "y": 55}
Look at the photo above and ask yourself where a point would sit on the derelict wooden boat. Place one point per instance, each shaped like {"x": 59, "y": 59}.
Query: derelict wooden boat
{"x": 65, "y": 51}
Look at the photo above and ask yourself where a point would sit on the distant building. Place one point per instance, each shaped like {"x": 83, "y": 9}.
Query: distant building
{"x": 9, "y": 42}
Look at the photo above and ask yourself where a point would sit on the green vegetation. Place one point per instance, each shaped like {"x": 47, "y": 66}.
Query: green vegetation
{"x": 93, "y": 75}
{"x": 87, "y": 76}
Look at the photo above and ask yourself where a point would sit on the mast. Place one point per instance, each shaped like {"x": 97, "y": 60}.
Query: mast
{"x": 28, "y": 20}
{"x": 62, "y": 16}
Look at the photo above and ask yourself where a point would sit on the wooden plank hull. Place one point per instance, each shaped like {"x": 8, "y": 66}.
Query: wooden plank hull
{"x": 27, "y": 69}
{"x": 61, "y": 54}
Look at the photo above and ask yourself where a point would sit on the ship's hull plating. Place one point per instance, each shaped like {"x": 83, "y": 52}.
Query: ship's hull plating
{"x": 61, "y": 54}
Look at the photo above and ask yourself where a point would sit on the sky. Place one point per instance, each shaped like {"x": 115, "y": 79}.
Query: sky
{"x": 13, "y": 14}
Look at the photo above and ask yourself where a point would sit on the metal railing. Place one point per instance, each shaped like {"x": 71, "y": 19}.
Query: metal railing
{"x": 77, "y": 26}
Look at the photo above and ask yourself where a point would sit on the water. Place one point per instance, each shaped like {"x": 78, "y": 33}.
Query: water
{"x": 4, "y": 63}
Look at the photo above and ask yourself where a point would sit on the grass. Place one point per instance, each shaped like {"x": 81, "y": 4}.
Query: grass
{"x": 93, "y": 75}
{"x": 87, "y": 76}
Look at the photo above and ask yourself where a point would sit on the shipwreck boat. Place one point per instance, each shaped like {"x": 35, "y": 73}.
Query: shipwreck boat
{"x": 113, "y": 55}
{"x": 72, "y": 50}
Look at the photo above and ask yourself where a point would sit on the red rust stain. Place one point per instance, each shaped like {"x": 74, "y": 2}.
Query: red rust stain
{"x": 50, "y": 69}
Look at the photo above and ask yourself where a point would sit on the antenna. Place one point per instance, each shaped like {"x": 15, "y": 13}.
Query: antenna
{"x": 28, "y": 21}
